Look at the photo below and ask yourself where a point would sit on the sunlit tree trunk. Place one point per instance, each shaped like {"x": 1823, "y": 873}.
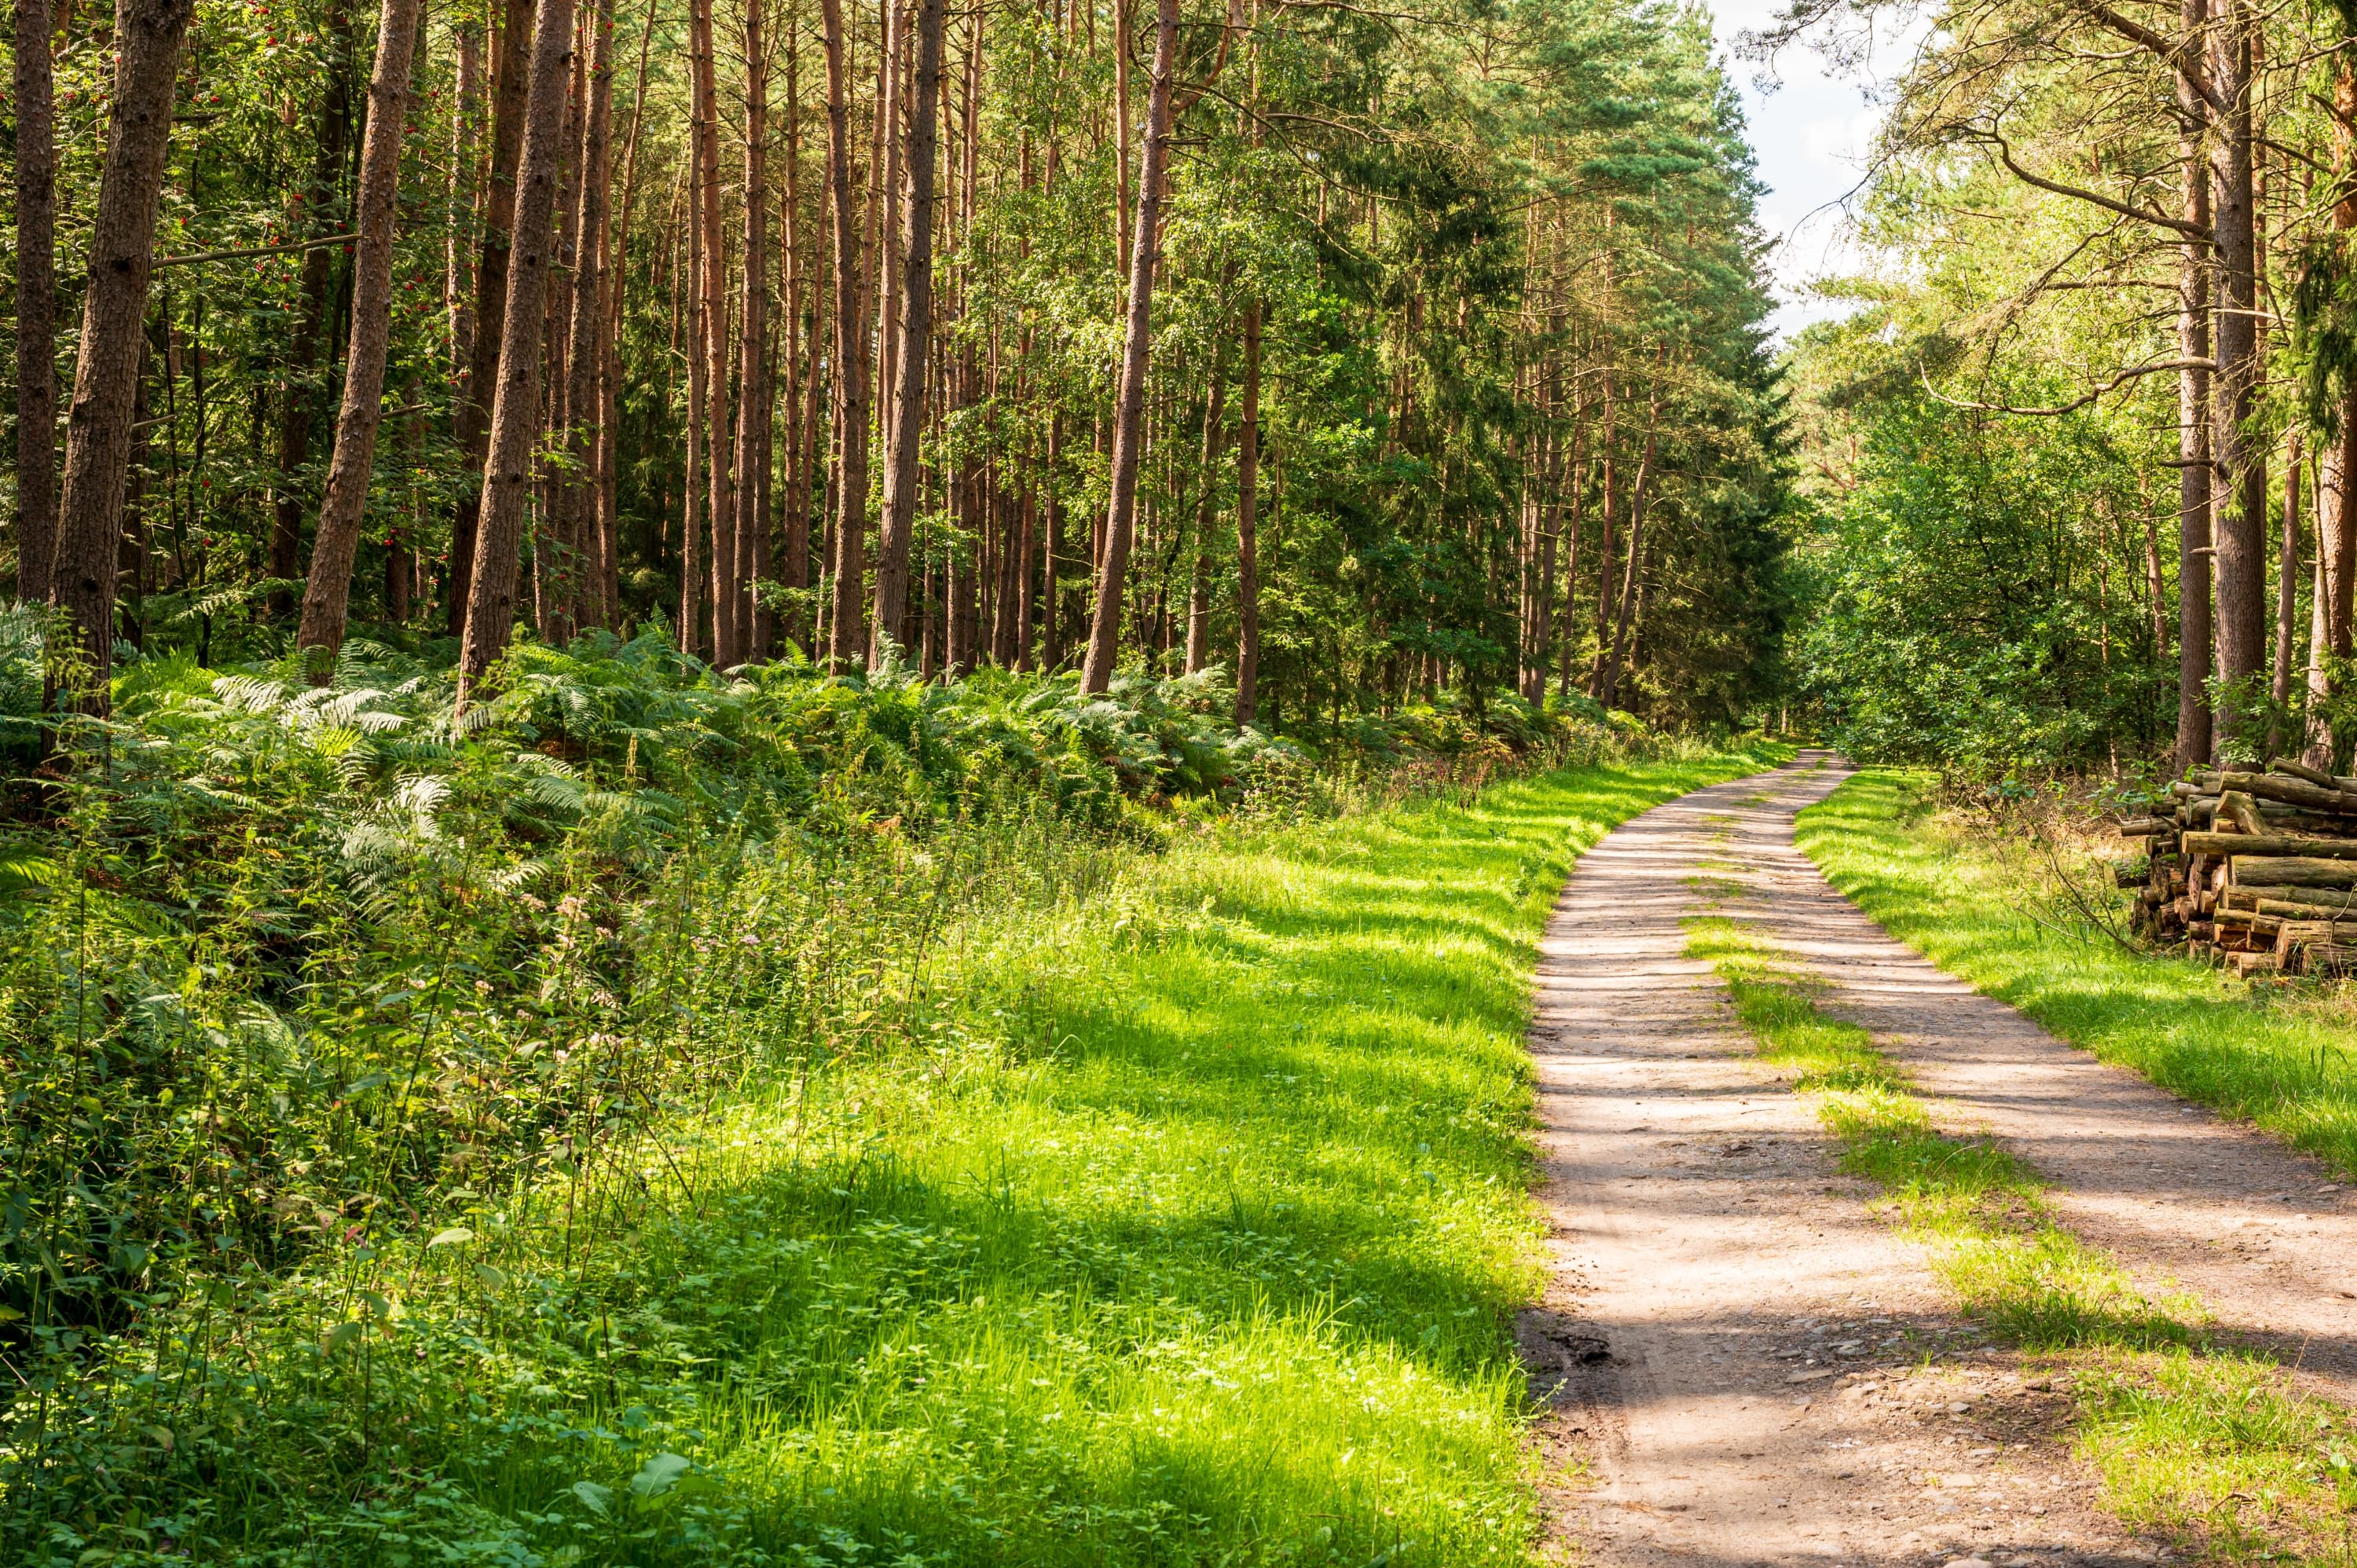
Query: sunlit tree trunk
{"x": 1129, "y": 417}
{"x": 1248, "y": 526}
{"x": 515, "y": 408}
{"x": 326, "y": 592}
{"x": 36, "y": 305}
{"x": 148, "y": 34}
{"x": 458, "y": 255}
{"x": 2194, "y": 718}
{"x": 2240, "y": 506}
{"x": 511, "y": 61}
{"x": 577, "y": 522}
{"x": 845, "y": 642}
{"x": 1207, "y": 512}
{"x": 912, "y": 361}
{"x": 754, "y": 401}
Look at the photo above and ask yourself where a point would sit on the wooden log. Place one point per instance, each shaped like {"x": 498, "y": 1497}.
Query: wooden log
{"x": 2318, "y": 898}
{"x": 2294, "y": 792}
{"x": 2241, "y": 808}
{"x": 2241, "y": 898}
{"x": 2294, "y": 871}
{"x": 2329, "y": 958}
{"x": 2145, "y": 828}
{"x": 2242, "y": 846}
{"x": 2249, "y": 964}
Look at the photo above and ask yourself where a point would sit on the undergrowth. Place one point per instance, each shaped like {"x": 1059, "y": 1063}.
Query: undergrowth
{"x": 765, "y": 1119}
{"x": 2190, "y": 1436}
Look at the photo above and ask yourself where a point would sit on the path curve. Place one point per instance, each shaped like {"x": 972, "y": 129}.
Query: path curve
{"x": 1732, "y": 1340}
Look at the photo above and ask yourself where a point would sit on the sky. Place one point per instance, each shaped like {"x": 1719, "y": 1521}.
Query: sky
{"x": 1809, "y": 134}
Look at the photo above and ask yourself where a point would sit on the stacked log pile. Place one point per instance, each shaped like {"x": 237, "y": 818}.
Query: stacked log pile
{"x": 2256, "y": 870}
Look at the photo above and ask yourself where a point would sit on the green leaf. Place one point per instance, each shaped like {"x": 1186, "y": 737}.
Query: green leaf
{"x": 593, "y": 1497}
{"x": 659, "y": 1475}
{"x": 457, "y": 1236}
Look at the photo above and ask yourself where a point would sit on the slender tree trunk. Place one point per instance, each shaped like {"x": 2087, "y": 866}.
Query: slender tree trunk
{"x": 294, "y": 405}
{"x": 712, "y": 343}
{"x": 2336, "y": 522}
{"x": 36, "y": 305}
{"x": 693, "y": 507}
{"x": 1609, "y": 686}
{"x": 515, "y": 408}
{"x": 510, "y": 74}
{"x": 2242, "y": 504}
{"x": 2288, "y": 571}
{"x": 327, "y": 592}
{"x": 148, "y": 34}
{"x": 2193, "y": 717}
{"x": 1248, "y": 526}
{"x": 458, "y": 255}
{"x": 844, "y": 643}
{"x": 1129, "y": 418}
{"x": 1207, "y": 512}
{"x": 582, "y": 564}
{"x": 755, "y": 404}
{"x": 912, "y": 360}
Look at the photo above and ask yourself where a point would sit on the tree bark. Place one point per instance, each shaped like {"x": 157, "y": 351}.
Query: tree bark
{"x": 2288, "y": 556}
{"x": 582, "y": 568}
{"x": 692, "y": 510}
{"x": 148, "y": 34}
{"x": 2194, "y": 730}
{"x": 711, "y": 345}
{"x": 1248, "y": 526}
{"x": 845, "y": 642}
{"x": 327, "y": 592}
{"x": 912, "y": 361}
{"x": 1137, "y": 343}
{"x": 510, "y": 84}
{"x": 754, "y": 401}
{"x": 458, "y": 262}
{"x": 516, "y": 409}
{"x": 2242, "y": 504}
{"x": 37, "y": 304}
{"x": 1199, "y": 584}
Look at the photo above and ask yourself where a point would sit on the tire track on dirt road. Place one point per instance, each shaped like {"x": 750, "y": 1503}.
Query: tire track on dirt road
{"x": 1756, "y": 1368}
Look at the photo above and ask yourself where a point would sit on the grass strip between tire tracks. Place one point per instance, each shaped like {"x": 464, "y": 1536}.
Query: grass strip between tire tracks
{"x": 2201, "y": 1440}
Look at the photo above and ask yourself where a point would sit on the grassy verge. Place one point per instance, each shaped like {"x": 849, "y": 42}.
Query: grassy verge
{"x": 2190, "y": 1438}
{"x": 1194, "y": 1237}
{"x": 2195, "y": 1031}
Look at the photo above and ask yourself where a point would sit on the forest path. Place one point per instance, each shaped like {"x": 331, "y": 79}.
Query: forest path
{"x": 1758, "y": 1368}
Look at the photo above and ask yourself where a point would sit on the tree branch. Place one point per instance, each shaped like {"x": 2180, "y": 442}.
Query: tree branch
{"x": 2131, "y": 373}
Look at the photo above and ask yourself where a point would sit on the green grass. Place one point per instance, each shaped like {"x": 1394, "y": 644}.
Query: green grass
{"x": 2201, "y": 1441}
{"x": 2194, "y": 1031}
{"x": 1216, "y": 1264}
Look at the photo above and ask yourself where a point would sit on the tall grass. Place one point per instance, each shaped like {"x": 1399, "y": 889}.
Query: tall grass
{"x": 873, "y": 1177}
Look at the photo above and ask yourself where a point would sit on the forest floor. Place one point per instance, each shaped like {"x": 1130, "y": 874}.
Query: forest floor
{"x": 1852, "y": 1264}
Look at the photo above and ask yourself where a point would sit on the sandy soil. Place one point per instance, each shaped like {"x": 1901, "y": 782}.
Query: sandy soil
{"x": 1744, "y": 1363}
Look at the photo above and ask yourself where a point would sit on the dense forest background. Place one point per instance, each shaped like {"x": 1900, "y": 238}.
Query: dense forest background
{"x": 2077, "y": 468}
{"x": 1449, "y": 373}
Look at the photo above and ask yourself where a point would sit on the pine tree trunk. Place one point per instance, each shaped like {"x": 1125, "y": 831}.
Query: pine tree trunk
{"x": 912, "y": 360}
{"x": 2287, "y": 569}
{"x": 1129, "y": 417}
{"x": 327, "y": 592}
{"x": 582, "y": 564}
{"x": 148, "y": 34}
{"x": 845, "y": 642}
{"x": 515, "y": 407}
{"x": 317, "y": 200}
{"x": 754, "y": 401}
{"x": 711, "y": 344}
{"x": 2240, "y": 531}
{"x": 1207, "y": 512}
{"x": 692, "y": 509}
{"x": 458, "y": 257}
{"x": 1248, "y": 527}
{"x": 2194, "y": 730}
{"x": 510, "y": 85}
{"x": 36, "y": 305}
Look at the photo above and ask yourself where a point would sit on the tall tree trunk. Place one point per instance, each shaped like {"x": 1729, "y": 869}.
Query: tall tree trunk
{"x": 850, "y": 409}
{"x": 711, "y": 344}
{"x": 1207, "y": 512}
{"x": 1608, "y": 685}
{"x": 692, "y": 507}
{"x": 2287, "y": 585}
{"x": 583, "y": 562}
{"x": 1248, "y": 526}
{"x": 2195, "y": 731}
{"x": 912, "y": 361}
{"x": 2336, "y": 522}
{"x": 294, "y": 410}
{"x": 1137, "y": 343}
{"x": 2241, "y": 531}
{"x": 327, "y": 592}
{"x": 755, "y": 404}
{"x": 36, "y": 305}
{"x": 472, "y": 427}
{"x": 458, "y": 254}
{"x": 148, "y": 34}
{"x": 515, "y": 408}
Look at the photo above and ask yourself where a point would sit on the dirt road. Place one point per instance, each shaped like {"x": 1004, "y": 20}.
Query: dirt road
{"x": 1754, "y": 1367}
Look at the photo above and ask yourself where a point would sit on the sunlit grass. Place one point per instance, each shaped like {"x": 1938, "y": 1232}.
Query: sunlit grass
{"x": 2191, "y": 1030}
{"x": 2190, "y": 1438}
{"x": 1196, "y": 1236}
